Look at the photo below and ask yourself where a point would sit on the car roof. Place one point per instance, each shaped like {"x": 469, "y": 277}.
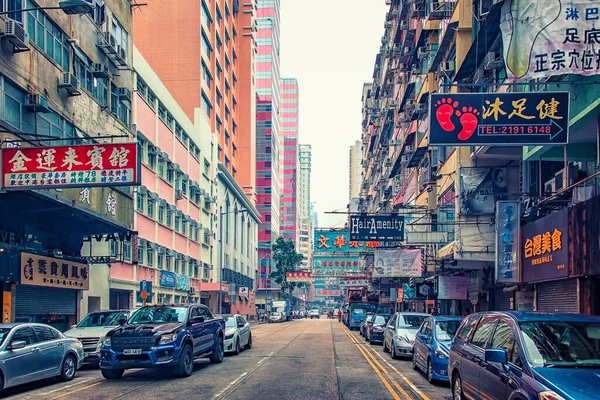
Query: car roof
{"x": 413, "y": 313}
{"x": 538, "y": 316}
{"x": 438, "y": 318}
{"x": 11, "y": 325}
{"x": 14, "y": 324}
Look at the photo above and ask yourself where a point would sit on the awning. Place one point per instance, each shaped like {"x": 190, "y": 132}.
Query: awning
{"x": 415, "y": 160}
{"x": 410, "y": 89}
{"x": 490, "y": 29}
{"x": 441, "y": 51}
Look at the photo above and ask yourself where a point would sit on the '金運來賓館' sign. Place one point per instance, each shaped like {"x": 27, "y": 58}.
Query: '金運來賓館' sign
{"x": 376, "y": 227}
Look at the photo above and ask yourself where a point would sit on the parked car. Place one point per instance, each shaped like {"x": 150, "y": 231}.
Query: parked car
{"x": 432, "y": 344}
{"x": 510, "y": 355}
{"x": 31, "y": 352}
{"x": 399, "y": 335}
{"x": 375, "y": 329}
{"x": 363, "y": 326}
{"x": 163, "y": 337}
{"x": 276, "y": 316}
{"x": 92, "y": 330}
{"x": 314, "y": 313}
{"x": 237, "y": 334}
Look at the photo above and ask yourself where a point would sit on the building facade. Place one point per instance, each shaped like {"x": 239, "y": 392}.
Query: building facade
{"x": 268, "y": 142}
{"x": 355, "y": 170}
{"x": 289, "y": 159}
{"x": 65, "y": 80}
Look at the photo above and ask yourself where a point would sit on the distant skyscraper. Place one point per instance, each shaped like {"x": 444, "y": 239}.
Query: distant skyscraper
{"x": 305, "y": 156}
{"x": 355, "y": 172}
{"x": 289, "y": 158}
{"x": 267, "y": 133}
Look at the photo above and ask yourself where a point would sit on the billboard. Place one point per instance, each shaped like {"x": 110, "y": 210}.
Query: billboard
{"x": 543, "y": 38}
{"x": 398, "y": 263}
{"x": 508, "y": 241}
{"x": 335, "y": 263}
{"x": 480, "y": 188}
{"x": 298, "y": 277}
{"x": 452, "y": 287}
{"x": 376, "y": 227}
{"x": 46, "y": 271}
{"x": 338, "y": 241}
{"x": 506, "y": 119}
{"x": 86, "y": 166}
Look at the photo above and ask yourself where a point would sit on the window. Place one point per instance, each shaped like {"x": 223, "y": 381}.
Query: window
{"x": 24, "y": 334}
{"x": 235, "y": 228}
{"x": 218, "y": 97}
{"x": 483, "y": 332}
{"x": 97, "y": 87}
{"x": 242, "y": 236}
{"x": 227, "y": 137}
{"x": 161, "y": 167}
{"x": 206, "y": 47}
{"x": 233, "y": 79}
{"x": 226, "y": 162}
{"x": 150, "y": 209}
{"x": 176, "y": 267}
{"x": 206, "y": 170}
{"x": 219, "y": 43}
{"x": 504, "y": 338}
{"x": 206, "y": 75}
{"x": 169, "y": 218}
{"x": 184, "y": 226}
{"x": 233, "y": 124}
{"x": 467, "y": 327}
{"x": 227, "y": 37}
{"x": 219, "y": 70}
{"x": 160, "y": 259}
{"x": 219, "y": 15}
{"x": 227, "y": 63}
{"x": 140, "y": 198}
{"x": 227, "y": 88}
{"x": 151, "y": 156}
{"x": 206, "y": 18}
{"x": 233, "y": 105}
{"x": 47, "y": 36}
{"x": 13, "y": 5}
{"x": 227, "y": 113}
{"x": 121, "y": 36}
{"x": 127, "y": 251}
{"x": 177, "y": 221}
{"x": 219, "y": 152}
{"x": 227, "y": 212}
{"x": 121, "y": 109}
{"x": 218, "y": 124}
{"x": 233, "y": 149}
{"x": 150, "y": 253}
{"x": 206, "y": 106}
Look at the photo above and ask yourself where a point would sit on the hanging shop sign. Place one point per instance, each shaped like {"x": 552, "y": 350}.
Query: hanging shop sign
{"x": 480, "y": 188}
{"x": 82, "y": 166}
{"x": 565, "y": 47}
{"x": 327, "y": 292}
{"x": 546, "y": 248}
{"x": 243, "y": 291}
{"x": 354, "y": 283}
{"x": 183, "y": 282}
{"x": 53, "y": 272}
{"x": 398, "y": 263}
{"x": 322, "y": 264}
{"x": 365, "y": 227}
{"x": 400, "y": 295}
{"x": 508, "y": 241}
{"x": 338, "y": 241}
{"x": 452, "y": 287}
{"x": 298, "y": 277}
{"x": 421, "y": 238}
{"x": 167, "y": 279}
{"x": 507, "y": 119}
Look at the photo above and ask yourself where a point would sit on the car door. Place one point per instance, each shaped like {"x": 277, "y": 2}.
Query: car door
{"x": 195, "y": 330}
{"x": 52, "y": 349}
{"x": 22, "y": 365}
{"x": 474, "y": 353}
{"x": 207, "y": 329}
{"x": 422, "y": 345}
{"x": 388, "y": 335}
{"x": 244, "y": 330}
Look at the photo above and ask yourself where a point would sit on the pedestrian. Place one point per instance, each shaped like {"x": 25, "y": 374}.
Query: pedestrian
{"x": 340, "y": 313}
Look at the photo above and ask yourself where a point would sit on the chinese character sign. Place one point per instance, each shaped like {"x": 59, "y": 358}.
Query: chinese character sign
{"x": 542, "y": 38}
{"x": 53, "y": 272}
{"x": 298, "y": 277}
{"x": 452, "y": 287}
{"x": 338, "y": 241}
{"x": 81, "y": 166}
{"x": 508, "y": 242}
{"x": 327, "y": 292}
{"x": 398, "y": 263}
{"x": 508, "y": 119}
{"x": 545, "y": 253}
{"x": 335, "y": 265}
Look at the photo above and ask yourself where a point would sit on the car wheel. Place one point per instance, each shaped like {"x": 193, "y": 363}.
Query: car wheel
{"x": 68, "y": 368}
{"x": 238, "y": 348}
{"x": 249, "y": 344}
{"x": 112, "y": 373}
{"x": 457, "y": 393}
{"x": 216, "y": 356}
{"x": 429, "y": 371}
{"x": 185, "y": 367}
{"x": 393, "y": 352}
{"x": 385, "y": 348}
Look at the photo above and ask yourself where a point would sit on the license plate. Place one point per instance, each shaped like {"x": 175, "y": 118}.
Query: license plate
{"x": 132, "y": 352}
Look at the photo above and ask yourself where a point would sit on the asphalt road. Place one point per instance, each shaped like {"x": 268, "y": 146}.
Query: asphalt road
{"x": 304, "y": 359}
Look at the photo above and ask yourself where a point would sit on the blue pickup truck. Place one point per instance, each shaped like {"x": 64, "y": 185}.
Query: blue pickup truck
{"x": 163, "y": 337}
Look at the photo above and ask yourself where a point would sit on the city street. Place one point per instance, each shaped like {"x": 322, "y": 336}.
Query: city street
{"x": 305, "y": 359}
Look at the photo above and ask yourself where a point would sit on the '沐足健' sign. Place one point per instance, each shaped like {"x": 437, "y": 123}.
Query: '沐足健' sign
{"x": 70, "y": 166}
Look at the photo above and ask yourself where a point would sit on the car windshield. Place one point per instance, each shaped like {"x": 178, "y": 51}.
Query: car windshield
{"x": 363, "y": 308}
{"x": 105, "y": 318}
{"x": 561, "y": 344}
{"x": 3, "y": 334}
{"x": 381, "y": 319}
{"x": 314, "y": 311}
{"x": 411, "y": 321}
{"x": 445, "y": 330}
{"x": 158, "y": 315}
{"x": 229, "y": 321}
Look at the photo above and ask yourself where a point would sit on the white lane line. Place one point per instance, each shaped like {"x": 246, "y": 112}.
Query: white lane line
{"x": 231, "y": 384}
{"x": 271, "y": 353}
{"x": 60, "y": 389}
{"x": 261, "y": 360}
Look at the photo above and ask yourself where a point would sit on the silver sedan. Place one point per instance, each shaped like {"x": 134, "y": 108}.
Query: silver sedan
{"x": 238, "y": 334}
{"x": 30, "y": 352}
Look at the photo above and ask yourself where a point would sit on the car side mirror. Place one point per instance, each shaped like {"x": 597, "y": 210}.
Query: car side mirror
{"x": 497, "y": 356}
{"x": 17, "y": 344}
{"x": 424, "y": 337}
{"x": 122, "y": 321}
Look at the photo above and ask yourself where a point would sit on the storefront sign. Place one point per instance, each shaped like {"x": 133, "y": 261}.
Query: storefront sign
{"x": 507, "y": 119}
{"x": 508, "y": 241}
{"x": 565, "y": 46}
{"x": 327, "y": 292}
{"x": 53, "y": 272}
{"x": 452, "y": 287}
{"x": 400, "y": 295}
{"x": 376, "y": 227}
{"x": 183, "y": 282}
{"x": 421, "y": 238}
{"x": 167, "y": 279}
{"x": 398, "y": 263}
{"x": 546, "y": 248}
{"x": 243, "y": 291}
{"x": 348, "y": 263}
{"x": 70, "y": 166}
{"x": 480, "y": 188}
{"x": 6, "y": 307}
{"x": 99, "y": 259}
{"x": 354, "y": 283}
{"x": 298, "y": 277}
{"x": 338, "y": 241}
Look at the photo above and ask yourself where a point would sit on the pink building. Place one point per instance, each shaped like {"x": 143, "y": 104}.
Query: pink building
{"x": 289, "y": 158}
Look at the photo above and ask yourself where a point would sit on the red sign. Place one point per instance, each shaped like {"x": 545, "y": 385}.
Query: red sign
{"x": 70, "y": 166}
{"x": 327, "y": 292}
{"x": 298, "y": 277}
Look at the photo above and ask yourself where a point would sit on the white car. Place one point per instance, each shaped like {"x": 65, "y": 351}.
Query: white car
{"x": 276, "y": 316}
{"x": 314, "y": 313}
{"x": 238, "y": 334}
{"x": 92, "y": 330}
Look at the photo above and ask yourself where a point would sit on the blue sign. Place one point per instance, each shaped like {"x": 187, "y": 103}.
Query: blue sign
{"x": 147, "y": 286}
{"x": 183, "y": 282}
{"x": 167, "y": 279}
{"x": 338, "y": 241}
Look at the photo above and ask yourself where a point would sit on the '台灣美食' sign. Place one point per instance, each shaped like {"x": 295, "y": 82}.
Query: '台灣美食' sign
{"x": 376, "y": 227}
{"x": 70, "y": 166}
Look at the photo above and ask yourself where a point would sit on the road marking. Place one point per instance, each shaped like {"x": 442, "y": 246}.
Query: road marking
{"x": 66, "y": 387}
{"x": 77, "y": 390}
{"x": 261, "y": 360}
{"x": 236, "y": 380}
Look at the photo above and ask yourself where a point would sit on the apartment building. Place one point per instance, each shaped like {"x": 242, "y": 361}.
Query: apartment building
{"x": 289, "y": 159}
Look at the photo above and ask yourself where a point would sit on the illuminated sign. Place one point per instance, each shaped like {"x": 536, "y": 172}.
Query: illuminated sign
{"x": 298, "y": 277}
{"x": 376, "y": 227}
{"x": 338, "y": 241}
{"x": 508, "y": 261}
{"x": 507, "y": 119}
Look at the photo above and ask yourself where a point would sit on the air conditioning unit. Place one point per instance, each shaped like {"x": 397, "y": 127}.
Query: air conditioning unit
{"x": 387, "y": 25}
{"x": 122, "y": 53}
{"x": 101, "y": 71}
{"x": 410, "y": 103}
{"x": 447, "y": 66}
{"x": 124, "y": 93}
{"x": 109, "y": 43}
{"x": 415, "y": 70}
{"x": 422, "y": 51}
{"x": 178, "y": 194}
{"x": 70, "y": 83}
{"x": 407, "y": 49}
{"x": 420, "y": 107}
{"x": 559, "y": 177}
{"x": 550, "y": 187}
{"x": 37, "y": 103}
{"x": 15, "y": 34}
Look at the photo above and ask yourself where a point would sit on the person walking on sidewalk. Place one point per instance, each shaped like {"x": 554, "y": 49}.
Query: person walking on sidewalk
{"x": 339, "y": 315}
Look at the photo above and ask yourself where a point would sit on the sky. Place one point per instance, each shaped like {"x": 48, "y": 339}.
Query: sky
{"x": 330, "y": 47}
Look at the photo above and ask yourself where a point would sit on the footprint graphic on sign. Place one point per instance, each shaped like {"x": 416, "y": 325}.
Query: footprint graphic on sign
{"x": 469, "y": 121}
{"x": 444, "y": 113}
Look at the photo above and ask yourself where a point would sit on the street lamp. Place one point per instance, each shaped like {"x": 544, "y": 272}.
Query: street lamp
{"x": 221, "y": 252}
{"x": 70, "y": 7}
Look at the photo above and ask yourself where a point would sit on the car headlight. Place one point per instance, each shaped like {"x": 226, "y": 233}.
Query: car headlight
{"x": 100, "y": 344}
{"x": 441, "y": 352}
{"x": 377, "y": 329}
{"x": 167, "y": 338}
{"x": 229, "y": 335}
{"x": 106, "y": 341}
{"x": 550, "y": 395}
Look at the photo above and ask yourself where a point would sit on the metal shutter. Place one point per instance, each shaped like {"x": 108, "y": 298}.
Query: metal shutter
{"x": 502, "y": 300}
{"x": 557, "y": 296}
{"x": 38, "y": 300}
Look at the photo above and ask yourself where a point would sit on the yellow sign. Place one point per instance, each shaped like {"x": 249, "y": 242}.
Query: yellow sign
{"x": 539, "y": 245}
{"x": 54, "y": 272}
{"x": 6, "y": 307}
